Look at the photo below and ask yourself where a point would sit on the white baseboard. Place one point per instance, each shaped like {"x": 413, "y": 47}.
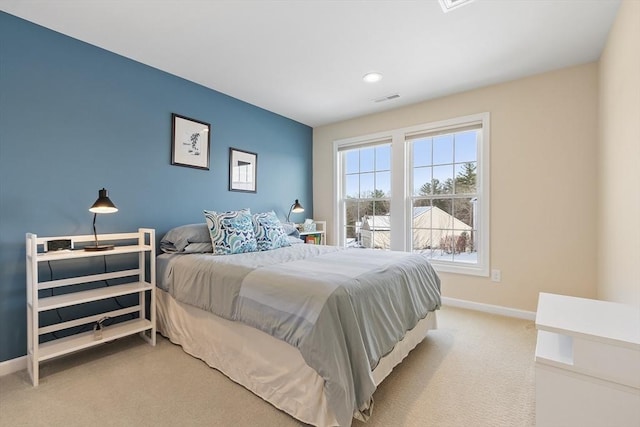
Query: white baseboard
{"x": 19, "y": 363}
{"x": 13, "y": 365}
{"x": 488, "y": 308}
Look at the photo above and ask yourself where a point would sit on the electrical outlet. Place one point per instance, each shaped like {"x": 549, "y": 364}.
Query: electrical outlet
{"x": 496, "y": 275}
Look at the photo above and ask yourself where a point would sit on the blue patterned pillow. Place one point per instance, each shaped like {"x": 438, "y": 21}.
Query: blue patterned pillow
{"x": 269, "y": 232}
{"x": 231, "y": 232}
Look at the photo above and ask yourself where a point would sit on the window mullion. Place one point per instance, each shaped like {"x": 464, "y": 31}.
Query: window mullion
{"x": 398, "y": 206}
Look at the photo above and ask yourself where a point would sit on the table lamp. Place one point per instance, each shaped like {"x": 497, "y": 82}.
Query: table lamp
{"x": 102, "y": 205}
{"x": 296, "y": 207}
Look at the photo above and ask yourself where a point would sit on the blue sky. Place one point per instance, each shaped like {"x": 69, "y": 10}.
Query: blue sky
{"x": 441, "y": 157}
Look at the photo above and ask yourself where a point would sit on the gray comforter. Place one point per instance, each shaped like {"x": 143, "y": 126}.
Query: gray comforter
{"x": 342, "y": 308}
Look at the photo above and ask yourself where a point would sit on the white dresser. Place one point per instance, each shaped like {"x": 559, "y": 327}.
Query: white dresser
{"x": 587, "y": 363}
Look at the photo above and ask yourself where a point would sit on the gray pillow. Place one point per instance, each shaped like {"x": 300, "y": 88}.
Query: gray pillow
{"x": 179, "y": 239}
{"x": 290, "y": 229}
{"x": 198, "y": 248}
{"x": 294, "y": 240}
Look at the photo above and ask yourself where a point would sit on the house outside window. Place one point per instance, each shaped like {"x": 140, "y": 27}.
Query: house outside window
{"x": 365, "y": 193}
{"x": 423, "y": 189}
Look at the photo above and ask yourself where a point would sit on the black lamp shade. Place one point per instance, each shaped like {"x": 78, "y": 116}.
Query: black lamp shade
{"x": 296, "y": 207}
{"x": 103, "y": 204}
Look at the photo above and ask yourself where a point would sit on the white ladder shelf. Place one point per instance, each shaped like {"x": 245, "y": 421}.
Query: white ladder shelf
{"x": 137, "y": 281}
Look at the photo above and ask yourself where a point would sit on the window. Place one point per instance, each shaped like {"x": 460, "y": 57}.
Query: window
{"x": 444, "y": 195}
{"x": 365, "y": 195}
{"x": 423, "y": 189}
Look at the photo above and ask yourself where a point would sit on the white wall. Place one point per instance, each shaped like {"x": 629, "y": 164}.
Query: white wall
{"x": 619, "y": 160}
{"x": 543, "y": 181}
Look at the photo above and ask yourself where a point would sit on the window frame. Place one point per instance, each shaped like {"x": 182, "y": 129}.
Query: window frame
{"x": 401, "y": 202}
{"x": 483, "y": 168}
{"x": 339, "y": 173}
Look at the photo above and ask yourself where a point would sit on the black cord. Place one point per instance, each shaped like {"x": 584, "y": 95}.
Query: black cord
{"x": 52, "y": 294}
{"x": 87, "y": 326}
{"x": 106, "y": 282}
{"x": 50, "y": 272}
{"x": 133, "y": 316}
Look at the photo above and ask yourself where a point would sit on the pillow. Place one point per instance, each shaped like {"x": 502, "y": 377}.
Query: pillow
{"x": 269, "y": 232}
{"x": 179, "y": 239}
{"x": 294, "y": 240}
{"x": 290, "y": 229}
{"x": 198, "y": 248}
{"x": 231, "y": 232}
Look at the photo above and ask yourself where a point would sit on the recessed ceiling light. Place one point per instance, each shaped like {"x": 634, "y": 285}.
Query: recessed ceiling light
{"x": 372, "y": 77}
{"x": 448, "y": 5}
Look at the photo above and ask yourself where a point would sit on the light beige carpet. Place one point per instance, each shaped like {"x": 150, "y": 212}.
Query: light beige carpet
{"x": 475, "y": 370}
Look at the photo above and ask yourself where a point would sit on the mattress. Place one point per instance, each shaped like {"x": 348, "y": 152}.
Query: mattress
{"x": 341, "y": 310}
{"x": 268, "y": 367}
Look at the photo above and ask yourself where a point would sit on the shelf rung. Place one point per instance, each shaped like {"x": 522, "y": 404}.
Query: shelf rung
{"x": 84, "y": 340}
{"x": 81, "y": 297}
{"x": 88, "y": 279}
{"x": 79, "y": 253}
{"x": 89, "y": 319}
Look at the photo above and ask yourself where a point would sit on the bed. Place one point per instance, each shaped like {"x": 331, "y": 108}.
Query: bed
{"x": 311, "y": 329}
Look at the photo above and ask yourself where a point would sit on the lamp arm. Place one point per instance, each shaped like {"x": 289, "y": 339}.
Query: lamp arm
{"x": 290, "y": 209}
{"x": 95, "y": 235}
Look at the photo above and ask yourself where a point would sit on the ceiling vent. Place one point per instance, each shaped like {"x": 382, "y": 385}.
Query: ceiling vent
{"x": 387, "y": 98}
{"x": 449, "y": 5}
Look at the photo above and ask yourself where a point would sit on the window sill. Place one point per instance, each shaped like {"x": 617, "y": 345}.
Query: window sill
{"x": 459, "y": 268}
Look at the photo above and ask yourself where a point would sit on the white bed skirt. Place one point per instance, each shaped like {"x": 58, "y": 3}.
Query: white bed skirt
{"x": 270, "y": 368}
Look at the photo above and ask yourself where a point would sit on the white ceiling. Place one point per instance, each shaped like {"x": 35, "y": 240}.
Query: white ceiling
{"x": 305, "y": 59}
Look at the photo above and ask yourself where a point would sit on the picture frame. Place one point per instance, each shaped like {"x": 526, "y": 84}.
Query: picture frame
{"x": 190, "y": 142}
{"x": 243, "y": 171}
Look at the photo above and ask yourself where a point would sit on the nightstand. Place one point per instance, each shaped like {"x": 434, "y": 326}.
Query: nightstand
{"x": 316, "y": 237}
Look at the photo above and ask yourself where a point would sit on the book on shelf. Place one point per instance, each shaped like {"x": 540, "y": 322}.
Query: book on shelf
{"x": 313, "y": 239}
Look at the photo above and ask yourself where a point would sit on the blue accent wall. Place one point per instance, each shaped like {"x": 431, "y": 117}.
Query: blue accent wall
{"x": 75, "y": 118}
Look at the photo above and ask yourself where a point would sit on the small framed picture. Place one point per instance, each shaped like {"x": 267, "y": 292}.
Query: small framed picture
{"x": 243, "y": 167}
{"x": 190, "y": 142}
